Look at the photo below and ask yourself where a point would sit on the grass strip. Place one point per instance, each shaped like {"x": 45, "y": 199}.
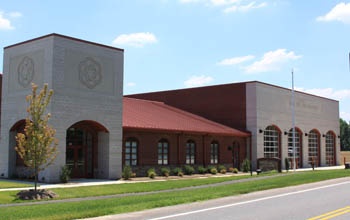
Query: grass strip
{"x": 6, "y": 184}
{"x": 85, "y": 209}
{"x": 114, "y": 189}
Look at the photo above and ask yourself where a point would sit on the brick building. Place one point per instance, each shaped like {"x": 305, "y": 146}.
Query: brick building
{"x": 266, "y": 112}
{"x": 100, "y": 131}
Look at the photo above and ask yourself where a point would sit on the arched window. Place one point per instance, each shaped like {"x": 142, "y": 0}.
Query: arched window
{"x": 130, "y": 153}
{"x": 330, "y": 148}
{"x": 271, "y": 142}
{"x": 314, "y": 147}
{"x": 163, "y": 152}
{"x": 297, "y": 144}
{"x": 190, "y": 152}
{"x": 214, "y": 152}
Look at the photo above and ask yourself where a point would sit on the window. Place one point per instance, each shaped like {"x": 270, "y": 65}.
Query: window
{"x": 313, "y": 139}
{"x": 190, "y": 152}
{"x": 131, "y": 152}
{"x": 297, "y": 145}
{"x": 163, "y": 152}
{"x": 214, "y": 152}
{"x": 330, "y": 146}
{"x": 271, "y": 142}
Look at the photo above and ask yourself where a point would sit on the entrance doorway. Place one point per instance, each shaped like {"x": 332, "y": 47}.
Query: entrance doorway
{"x": 75, "y": 160}
{"x": 82, "y": 149}
{"x": 236, "y": 155}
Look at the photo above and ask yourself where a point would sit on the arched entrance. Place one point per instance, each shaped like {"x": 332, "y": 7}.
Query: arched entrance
{"x": 16, "y": 163}
{"x": 82, "y": 148}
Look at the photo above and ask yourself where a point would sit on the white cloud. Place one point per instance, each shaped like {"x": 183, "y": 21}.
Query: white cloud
{"x": 272, "y": 61}
{"x": 235, "y": 60}
{"x": 340, "y": 12}
{"x": 328, "y": 92}
{"x": 345, "y": 116}
{"x": 224, "y": 2}
{"x": 5, "y": 24}
{"x": 229, "y": 6}
{"x": 135, "y": 39}
{"x": 195, "y": 81}
{"x": 131, "y": 84}
{"x": 15, "y": 14}
{"x": 244, "y": 8}
{"x": 190, "y": 1}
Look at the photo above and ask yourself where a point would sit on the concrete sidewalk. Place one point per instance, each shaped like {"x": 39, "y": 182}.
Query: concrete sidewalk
{"x": 71, "y": 183}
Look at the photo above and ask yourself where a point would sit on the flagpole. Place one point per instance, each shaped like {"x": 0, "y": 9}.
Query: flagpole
{"x": 293, "y": 120}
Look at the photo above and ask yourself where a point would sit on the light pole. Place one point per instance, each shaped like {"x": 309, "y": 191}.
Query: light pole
{"x": 293, "y": 120}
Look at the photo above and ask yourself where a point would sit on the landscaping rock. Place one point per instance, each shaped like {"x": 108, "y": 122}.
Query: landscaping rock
{"x": 36, "y": 195}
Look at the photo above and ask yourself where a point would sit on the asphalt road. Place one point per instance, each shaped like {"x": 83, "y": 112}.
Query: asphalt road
{"x": 322, "y": 200}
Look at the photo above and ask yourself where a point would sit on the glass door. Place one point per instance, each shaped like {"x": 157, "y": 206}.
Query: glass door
{"x": 75, "y": 160}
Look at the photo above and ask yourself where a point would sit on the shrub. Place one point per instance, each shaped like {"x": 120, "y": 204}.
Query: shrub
{"x": 202, "y": 170}
{"x": 127, "y": 172}
{"x": 223, "y": 171}
{"x": 65, "y": 174}
{"x": 188, "y": 170}
{"x": 209, "y": 168}
{"x": 177, "y": 170}
{"x": 234, "y": 170}
{"x": 221, "y": 167}
{"x": 246, "y": 165}
{"x": 165, "y": 171}
{"x": 213, "y": 171}
{"x": 151, "y": 173}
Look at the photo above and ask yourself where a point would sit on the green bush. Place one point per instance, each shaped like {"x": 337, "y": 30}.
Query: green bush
{"x": 202, "y": 170}
{"x": 188, "y": 170}
{"x": 151, "y": 173}
{"x": 221, "y": 167}
{"x": 234, "y": 170}
{"x": 177, "y": 170}
{"x": 213, "y": 170}
{"x": 165, "y": 171}
{"x": 246, "y": 166}
{"x": 127, "y": 172}
{"x": 209, "y": 168}
{"x": 65, "y": 174}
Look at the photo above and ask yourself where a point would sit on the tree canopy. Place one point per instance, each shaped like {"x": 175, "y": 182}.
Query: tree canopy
{"x": 37, "y": 146}
{"x": 344, "y": 135}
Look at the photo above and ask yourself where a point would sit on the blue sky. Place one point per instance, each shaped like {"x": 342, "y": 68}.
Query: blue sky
{"x": 173, "y": 44}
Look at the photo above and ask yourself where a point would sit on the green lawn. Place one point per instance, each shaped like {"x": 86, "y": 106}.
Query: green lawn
{"x": 12, "y": 184}
{"x": 84, "y": 209}
{"x": 102, "y": 190}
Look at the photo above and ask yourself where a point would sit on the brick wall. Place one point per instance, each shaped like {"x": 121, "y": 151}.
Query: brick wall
{"x": 229, "y": 100}
{"x": 147, "y": 149}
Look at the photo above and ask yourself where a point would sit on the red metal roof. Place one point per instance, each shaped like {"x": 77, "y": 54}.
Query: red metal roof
{"x": 152, "y": 115}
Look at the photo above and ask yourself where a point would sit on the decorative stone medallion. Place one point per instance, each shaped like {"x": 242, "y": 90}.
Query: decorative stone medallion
{"x": 25, "y": 71}
{"x": 90, "y": 72}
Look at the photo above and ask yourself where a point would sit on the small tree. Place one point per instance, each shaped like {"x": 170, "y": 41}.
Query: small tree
{"x": 37, "y": 146}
